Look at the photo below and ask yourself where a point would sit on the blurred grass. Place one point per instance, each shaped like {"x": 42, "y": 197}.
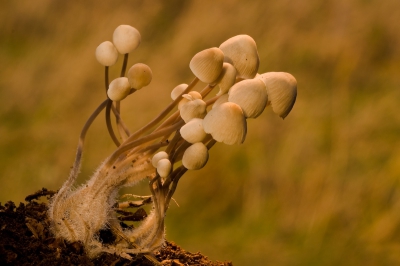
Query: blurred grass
{"x": 319, "y": 188}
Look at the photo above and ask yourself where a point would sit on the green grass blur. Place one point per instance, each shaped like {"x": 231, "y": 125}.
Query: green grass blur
{"x": 319, "y": 188}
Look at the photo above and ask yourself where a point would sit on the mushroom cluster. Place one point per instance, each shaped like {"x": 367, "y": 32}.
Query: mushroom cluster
{"x": 163, "y": 150}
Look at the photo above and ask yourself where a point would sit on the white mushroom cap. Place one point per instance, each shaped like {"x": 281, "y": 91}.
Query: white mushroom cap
{"x": 241, "y": 52}
{"x": 250, "y": 95}
{"x": 106, "y": 53}
{"x": 158, "y": 156}
{"x": 177, "y": 91}
{"x": 126, "y": 38}
{"x": 207, "y": 64}
{"x": 190, "y": 96}
{"x": 164, "y": 167}
{"x": 193, "y": 131}
{"x": 195, "y": 157}
{"x": 226, "y": 123}
{"x": 226, "y": 79}
{"x": 193, "y": 109}
{"x": 118, "y": 89}
{"x": 139, "y": 76}
{"x": 282, "y": 91}
{"x": 222, "y": 99}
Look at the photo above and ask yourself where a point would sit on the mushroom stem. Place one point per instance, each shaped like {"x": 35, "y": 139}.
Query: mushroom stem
{"x": 212, "y": 100}
{"x": 124, "y": 64}
{"x": 173, "y": 142}
{"x": 176, "y": 175}
{"x": 121, "y": 125}
{"x": 108, "y": 122}
{"x": 206, "y": 90}
{"x": 106, "y": 80}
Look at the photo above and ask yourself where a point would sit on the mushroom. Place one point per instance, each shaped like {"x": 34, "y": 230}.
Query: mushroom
{"x": 282, "y": 91}
{"x": 250, "y": 95}
{"x": 164, "y": 167}
{"x": 126, "y": 39}
{"x": 139, "y": 76}
{"x": 222, "y": 99}
{"x": 106, "y": 53}
{"x": 158, "y": 156}
{"x": 177, "y": 91}
{"x": 226, "y": 79}
{"x": 226, "y": 123}
{"x": 190, "y": 96}
{"x": 118, "y": 89}
{"x": 193, "y": 131}
{"x": 193, "y": 109}
{"x": 241, "y": 52}
{"x": 195, "y": 157}
{"x": 207, "y": 64}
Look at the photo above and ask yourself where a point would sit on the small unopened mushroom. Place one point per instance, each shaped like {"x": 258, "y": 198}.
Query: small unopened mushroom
{"x": 139, "y": 76}
{"x": 164, "y": 167}
{"x": 226, "y": 123}
{"x": 241, "y": 52}
{"x": 193, "y": 131}
{"x": 250, "y": 95}
{"x": 106, "y": 53}
{"x": 222, "y": 99}
{"x": 118, "y": 89}
{"x": 282, "y": 91}
{"x": 207, "y": 64}
{"x": 177, "y": 91}
{"x": 158, "y": 156}
{"x": 190, "y": 96}
{"x": 126, "y": 39}
{"x": 193, "y": 109}
{"x": 195, "y": 157}
{"x": 226, "y": 79}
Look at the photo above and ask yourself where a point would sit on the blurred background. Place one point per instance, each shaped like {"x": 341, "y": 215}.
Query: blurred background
{"x": 318, "y": 188}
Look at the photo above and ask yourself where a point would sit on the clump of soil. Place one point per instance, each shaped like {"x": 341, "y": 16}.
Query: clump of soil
{"x": 26, "y": 240}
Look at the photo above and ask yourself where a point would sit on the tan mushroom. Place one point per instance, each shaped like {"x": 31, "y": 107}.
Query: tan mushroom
{"x": 222, "y": 99}
{"x": 282, "y": 91}
{"x": 177, "y": 91}
{"x": 106, "y": 53}
{"x": 118, "y": 89}
{"x": 193, "y": 131}
{"x": 193, "y": 109}
{"x": 250, "y": 95}
{"x": 190, "y": 96}
{"x": 158, "y": 156}
{"x": 207, "y": 64}
{"x": 226, "y": 79}
{"x": 195, "y": 157}
{"x": 126, "y": 38}
{"x": 164, "y": 167}
{"x": 139, "y": 76}
{"x": 241, "y": 52}
{"x": 226, "y": 123}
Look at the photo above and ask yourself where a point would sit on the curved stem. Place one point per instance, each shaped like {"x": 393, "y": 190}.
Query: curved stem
{"x": 108, "y": 122}
{"x": 124, "y": 64}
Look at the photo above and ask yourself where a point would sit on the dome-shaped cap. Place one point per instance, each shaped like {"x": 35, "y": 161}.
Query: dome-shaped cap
{"x": 226, "y": 79}
{"x": 207, "y": 64}
{"x": 158, "y": 156}
{"x": 193, "y": 109}
{"x": 190, "y": 96}
{"x": 226, "y": 123}
{"x": 282, "y": 91}
{"x": 164, "y": 167}
{"x": 222, "y": 99}
{"x": 241, "y": 52}
{"x": 118, "y": 89}
{"x": 126, "y": 38}
{"x": 193, "y": 131}
{"x": 177, "y": 91}
{"x": 250, "y": 95}
{"x": 106, "y": 53}
{"x": 195, "y": 157}
{"x": 139, "y": 76}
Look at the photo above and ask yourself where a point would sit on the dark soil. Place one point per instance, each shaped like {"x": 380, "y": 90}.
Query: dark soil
{"x": 26, "y": 240}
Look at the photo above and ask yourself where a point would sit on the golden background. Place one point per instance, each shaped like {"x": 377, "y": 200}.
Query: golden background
{"x": 318, "y": 188}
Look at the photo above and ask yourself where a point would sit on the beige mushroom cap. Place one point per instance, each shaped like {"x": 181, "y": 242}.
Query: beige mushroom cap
{"x": 193, "y": 131}
{"x": 222, "y": 99}
{"x": 126, "y": 39}
{"x": 195, "y": 157}
{"x": 106, "y": 53}
{"x": 118, "y": 89}
{"x": 207, "y": 64}
{"x": 190, "y": 96}
{"x": 139, "y": 76}
{"x": 164, "y": 167}
{"x": 250, "y": 95}
{"x": 193, "y": 109}
{"x": 241, "y": 52}
{"x": 282, "y": 91}
{"x": 226, "y": 79}
{"x": 158, "y": 156}
{"x": 226, "y": 123}
{"x": 177, "y": 91}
